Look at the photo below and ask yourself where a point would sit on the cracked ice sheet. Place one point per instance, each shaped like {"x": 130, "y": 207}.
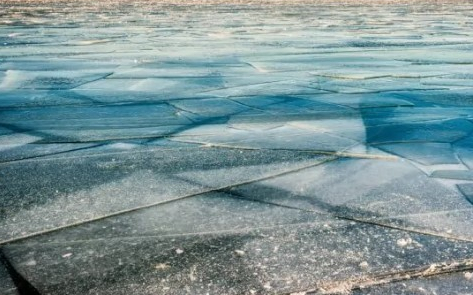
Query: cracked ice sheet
{"x": 372, "y": 85}
{"x": 232, "y": 70}
{"x": 261, "y": 45}
{"x": 49, "y": 80}
{"x": 210, "y": 108}
{"x": 311, "y": 63}
{"x": 39, "y": 98}
{"x": 162, "y": 86}
{"x": 446, "y": 131}
{"x": 427, "y": 114}
{"x": 465, "y": 154}
{"x": 360, "y": 101}
{"x": 401, "y": 195}
{"x": 280, "y": 137}
{"x": 288, "y": 87}
{"x": 425, "y": 153}
{"x": 300, "y": 124}
{"x": 94, "y": 123}
{"x": 449, "y": 82}
{"x": 53, "y": 64}
{"x": 459, "y": 283}
{"x": 242, "y": 249}
{"x": 114, "y": 96}
{"x": 73, "y": 188}
{"x": 467, "y": 191}
{"x": 457, "y": 98}
{"x": 17, "y": 146}
{"x": 376, "y": 72}
{"x": 30, "y": 150}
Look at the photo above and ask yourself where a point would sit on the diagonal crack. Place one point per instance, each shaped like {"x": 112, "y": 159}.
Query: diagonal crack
{"x": 53, "y": 154}
{"x": 209, "y": 190}
{"x": 357, "y": 219}
{"x": 342, "y": 287}
{"x": 339, "y": 154}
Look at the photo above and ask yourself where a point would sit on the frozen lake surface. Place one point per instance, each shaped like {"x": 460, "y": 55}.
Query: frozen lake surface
{"x": 159, "y": 147}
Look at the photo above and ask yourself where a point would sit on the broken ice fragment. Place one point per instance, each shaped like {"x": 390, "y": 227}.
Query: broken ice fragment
{"x": 426, "y": 153}
{"x": 467, "y": 190}
{"x": 453, "y": 174}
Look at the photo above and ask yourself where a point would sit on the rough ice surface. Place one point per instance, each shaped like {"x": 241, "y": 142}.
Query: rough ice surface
{"x": 236, "y": 147}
